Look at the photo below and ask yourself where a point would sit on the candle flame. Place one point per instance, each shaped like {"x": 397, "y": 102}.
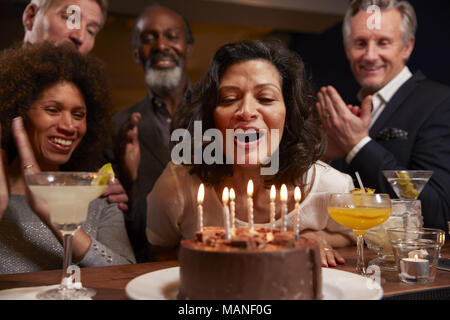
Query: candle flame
{"x": 225, "y": 195}
{"x": 416, "y": 257}
{"x": 232, "y": 194}
{"x": 201, "y": 194}
{"x": 273, "y": 193}
{"x": 250, "y": 188}
{"x": 297, "y": 194}
{"x": 283, "y": 193}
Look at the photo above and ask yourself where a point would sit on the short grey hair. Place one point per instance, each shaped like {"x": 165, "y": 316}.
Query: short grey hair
{"x": 408, "y": 26}
{"x": 103, "y": 4}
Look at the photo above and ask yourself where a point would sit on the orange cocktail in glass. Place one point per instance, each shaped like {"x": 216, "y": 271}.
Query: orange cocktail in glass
{"x": 359, "y": 212}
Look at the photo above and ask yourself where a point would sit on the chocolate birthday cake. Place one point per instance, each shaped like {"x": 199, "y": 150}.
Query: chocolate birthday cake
{"x": 263, "y": 264}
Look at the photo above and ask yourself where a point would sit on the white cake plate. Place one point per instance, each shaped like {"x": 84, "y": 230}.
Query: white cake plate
{"x": 336, "y": 285}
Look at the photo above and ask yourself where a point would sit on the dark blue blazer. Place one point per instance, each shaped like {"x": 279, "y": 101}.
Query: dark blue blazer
{"x": 421, "y": 110}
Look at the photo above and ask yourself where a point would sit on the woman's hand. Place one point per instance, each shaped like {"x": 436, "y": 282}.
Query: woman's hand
{"x": 328, "y": 256}
{"x": 81, "y": 241}
{"x": 4, "y": 194}
{"x": 29, "y": 165}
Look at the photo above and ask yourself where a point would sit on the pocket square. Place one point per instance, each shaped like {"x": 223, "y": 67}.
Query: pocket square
{"x": 390, "y": 134}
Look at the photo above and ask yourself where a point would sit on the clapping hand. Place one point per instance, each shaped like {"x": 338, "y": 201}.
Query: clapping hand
{"x": 131, "y": 152}
{"x": 345, "y": 125}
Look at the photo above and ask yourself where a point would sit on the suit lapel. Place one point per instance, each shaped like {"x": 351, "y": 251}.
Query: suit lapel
{"x": 149, "y": 136}
{"x": 399, "y": 97}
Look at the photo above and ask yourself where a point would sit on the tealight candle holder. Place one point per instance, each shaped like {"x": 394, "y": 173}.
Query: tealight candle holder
{"x": 414, "y": 269}
{"x": 416, "y": 252}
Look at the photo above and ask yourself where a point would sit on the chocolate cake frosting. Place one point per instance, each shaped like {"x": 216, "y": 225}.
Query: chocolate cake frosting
{"x": 263, "y": 264}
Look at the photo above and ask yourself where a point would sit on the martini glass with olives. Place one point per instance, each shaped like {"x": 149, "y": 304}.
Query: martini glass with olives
{"x": 407, "y": 184}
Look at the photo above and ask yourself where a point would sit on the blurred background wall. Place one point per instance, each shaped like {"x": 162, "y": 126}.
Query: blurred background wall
{"x": 310, "y": 27}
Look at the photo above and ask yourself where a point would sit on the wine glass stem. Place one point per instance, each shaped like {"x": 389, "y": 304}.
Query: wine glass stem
{"x": 67, "y": 260}
{"x": 360, "y": 264}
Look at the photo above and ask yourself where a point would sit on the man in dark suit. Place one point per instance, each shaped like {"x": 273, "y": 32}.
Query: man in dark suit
{"x": 403, "y": 121}
{"x": 162, "y": 42}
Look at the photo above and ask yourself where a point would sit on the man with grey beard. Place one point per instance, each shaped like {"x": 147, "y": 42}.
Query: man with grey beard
{"x": 162, "y": 42}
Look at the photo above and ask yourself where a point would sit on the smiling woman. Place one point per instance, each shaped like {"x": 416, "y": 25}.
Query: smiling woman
{"x": 57, "y": 123}
{"x": 53, "y": 111}
{"x": 50, "y": 85}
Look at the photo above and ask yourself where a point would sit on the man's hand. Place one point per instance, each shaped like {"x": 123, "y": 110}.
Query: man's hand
{"x": 116, "y": 194}
{"x": 130, "y": 156}
{"x": 4, "y": 194}
{"x": 345, "y": 125}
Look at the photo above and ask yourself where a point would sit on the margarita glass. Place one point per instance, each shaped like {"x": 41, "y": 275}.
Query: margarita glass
{"x": 67, "y": 195}
{"x": 359, "y": 212}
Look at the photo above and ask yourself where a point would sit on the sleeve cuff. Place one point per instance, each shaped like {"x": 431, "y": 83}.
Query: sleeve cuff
{"x": 97, "y": 255}
{"x": 356, "y": 149}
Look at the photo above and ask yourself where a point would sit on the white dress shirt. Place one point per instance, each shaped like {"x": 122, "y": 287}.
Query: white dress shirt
{"x": 379, "y": 101}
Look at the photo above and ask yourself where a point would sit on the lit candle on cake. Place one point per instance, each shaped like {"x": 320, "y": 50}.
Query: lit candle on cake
{"x": 232, "y": 208}
{"x": 273, "y": 195}
{"x": 226, "y": 213}
{"x": 200, "y": 197}
{"x": 283, "y": 198}
{"x": 297, "y": 197}
{"x": 250, "y": 204}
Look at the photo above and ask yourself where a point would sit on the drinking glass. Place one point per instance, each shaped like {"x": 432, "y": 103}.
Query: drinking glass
{"x": 359, "y": 212}
{"x": 68, "y": 195}
{"x": 407, "y": 184}
{"x": 416, "y": 252}
{"x": 406, "y": 213}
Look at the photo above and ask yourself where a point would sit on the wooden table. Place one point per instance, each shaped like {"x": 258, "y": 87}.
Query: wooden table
{"x": 110, "y": 282}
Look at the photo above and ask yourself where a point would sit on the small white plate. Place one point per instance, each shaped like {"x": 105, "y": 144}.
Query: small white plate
{"x": 337, "y": 285}
{"x": 27, "y": 293}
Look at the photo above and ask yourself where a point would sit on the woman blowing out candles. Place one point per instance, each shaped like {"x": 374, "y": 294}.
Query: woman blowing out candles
{"x": 259, "y": 93}
{"x": 53, "y": 111}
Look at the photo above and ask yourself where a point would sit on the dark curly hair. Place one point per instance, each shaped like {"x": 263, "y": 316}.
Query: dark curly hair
{"x": 302, "y": 143}
{"x": 26, "y": 71}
